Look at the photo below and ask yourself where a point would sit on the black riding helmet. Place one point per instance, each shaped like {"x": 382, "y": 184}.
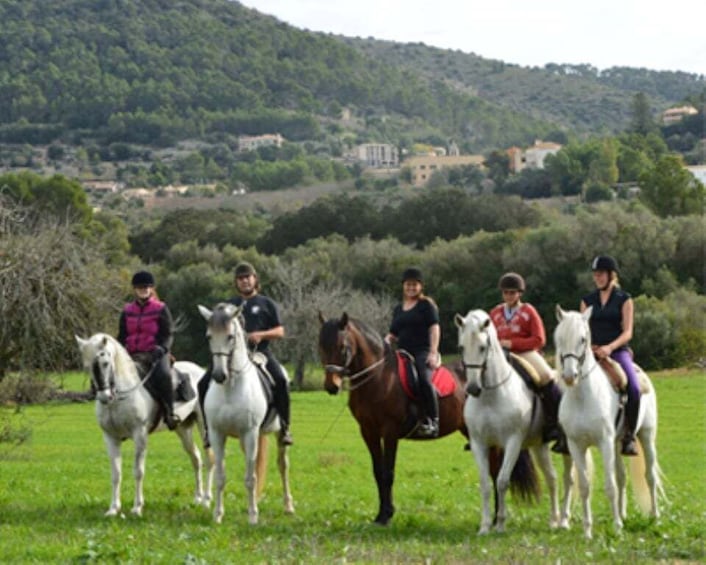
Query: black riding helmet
{"x": 142, "y": 278}
{"x": 604, "y": 263}
{"x": 412, "y": 274}
{"x": 512, "y": 281}
{"x": 243, "y": 269}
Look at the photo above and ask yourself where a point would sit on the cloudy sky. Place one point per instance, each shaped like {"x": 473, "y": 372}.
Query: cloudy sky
{"x": 603, "y": 33}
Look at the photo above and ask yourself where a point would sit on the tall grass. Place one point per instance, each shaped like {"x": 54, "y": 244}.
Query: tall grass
{"x": 55, "y": 488}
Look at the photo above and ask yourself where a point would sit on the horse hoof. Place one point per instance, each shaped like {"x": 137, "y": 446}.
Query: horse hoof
{"x": 136, "y": 512}
{"x": 112, "y": 512}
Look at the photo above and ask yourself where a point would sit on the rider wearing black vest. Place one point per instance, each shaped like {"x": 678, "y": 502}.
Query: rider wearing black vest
{"x": 611, "y": 330}
{"x": 262, "y": 324}
{"x": 415, "y": 327}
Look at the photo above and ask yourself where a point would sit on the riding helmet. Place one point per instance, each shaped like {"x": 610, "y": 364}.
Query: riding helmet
{"x": 142, "y": 278}
{"x": 604, "y": 263}
{"x": 243, "y": 269}
{"x": 512, "y": 281}
{"x": 412, "y": 274}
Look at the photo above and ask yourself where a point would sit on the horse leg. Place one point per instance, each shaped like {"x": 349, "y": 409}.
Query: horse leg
{"x": 541, "y": 453}
{"x": 609, "y": 447}
{"x": 249, "y": 443}
{"x": 621, "y": 484}
{"x": 512, "y": 452}
{"x": 218, "y": 444}
{"x": 374, "y": 444}
{"x": 578, "y": 454}
{"x": 649, "y": 449}
{"x": 480, "y": 452}
{"x": 116, "y": 462}
{"x": 208, "y": 454}
{"x": 187, "y": 442}
{"x": 283, "y": 465}
{"x": 389, "y": 448}
{"x": 568, "y": 486}
{"x": 140, "y": 439}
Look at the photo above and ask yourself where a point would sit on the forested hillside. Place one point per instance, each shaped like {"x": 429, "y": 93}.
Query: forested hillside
{"x": 573, "y": 96}
{"x": 155, "y": 72}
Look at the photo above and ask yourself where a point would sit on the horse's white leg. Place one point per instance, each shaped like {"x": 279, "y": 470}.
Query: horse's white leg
{"x": 541, "y": 453}
{"x": 140, "y": 439}
{"x": 608, "y": 449}
{"x": 512, "y": 452}
{"x": 568, "y": 486}
{"x": 579, "y": 456}
{"x": 480, "y": 452}
{"x": 649, "y": 448}
{"x": 218, "y": 444}
{"x": 621, "y": 483}
{"x": 283, "y": 464}
{"x": 249, "y": 442}
{"x": 187, "y": 441}
{"x": 116, "y": 462}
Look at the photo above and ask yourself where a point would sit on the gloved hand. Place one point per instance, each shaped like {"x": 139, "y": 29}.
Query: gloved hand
{"x": 157, "y": 354}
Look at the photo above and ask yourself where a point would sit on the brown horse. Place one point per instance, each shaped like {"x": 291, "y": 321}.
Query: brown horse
{"x": 351, "y": 349}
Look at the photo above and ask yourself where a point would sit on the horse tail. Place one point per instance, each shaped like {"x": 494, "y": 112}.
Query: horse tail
{"x": 524, "y": 481}
{"x": 261, "y": 463}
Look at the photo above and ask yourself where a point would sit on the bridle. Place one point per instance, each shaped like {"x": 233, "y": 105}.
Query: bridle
{"x": 230, "y": 354}
{"x": 580, "y": 359}
{"x": 344, "y": 371}
{"x": 483, "y": 370}
{"x": 116, "y": 394}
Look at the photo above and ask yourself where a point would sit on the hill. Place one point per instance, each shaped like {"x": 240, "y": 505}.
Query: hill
{"x": 155, "y": 72}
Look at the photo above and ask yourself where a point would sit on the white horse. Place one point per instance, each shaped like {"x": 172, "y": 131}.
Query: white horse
{"x": 236, "y": 405}
{"x": 588, "y": 412}
{"x": 501, "y": 411}
{"x": 125, "y": 409}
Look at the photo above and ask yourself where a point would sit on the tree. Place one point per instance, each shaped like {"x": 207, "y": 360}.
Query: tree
{"x": 670, "y": 189}
{"x": 641, "y": 120}
{"x": 54, "y": 284}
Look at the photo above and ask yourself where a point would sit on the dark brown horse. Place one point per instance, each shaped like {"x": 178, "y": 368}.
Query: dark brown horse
{"x": 351, "y": 349}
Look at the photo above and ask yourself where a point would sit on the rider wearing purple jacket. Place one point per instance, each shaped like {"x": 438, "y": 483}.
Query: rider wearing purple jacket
{"x": 611, "y": 330}
{"x": 145, "y": 330}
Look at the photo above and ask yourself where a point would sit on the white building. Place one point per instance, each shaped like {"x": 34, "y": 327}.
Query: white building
{"x": 252, "y": 142}
{"x": 378, "y": 155}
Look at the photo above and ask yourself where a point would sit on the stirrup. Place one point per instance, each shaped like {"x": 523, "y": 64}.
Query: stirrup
{"x": 285, "y": 438}
{"x": 629, "y": 446}
{"x": 561, "y": 445}
{"x": 430, "y": 428}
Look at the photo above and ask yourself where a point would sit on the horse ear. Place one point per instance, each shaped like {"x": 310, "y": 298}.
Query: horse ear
{"x": 104, "y": 343}
{"x": 586, "y": 314}
{"x": 343, "y": 322}
{"x": 559, "y": 313}
{"x": 458, "y": 320}
{"x": 486, "y": 323}
{"x": 205, "y": 312}
{"x": 81, "y": 342}
{"x": 321, "y": 318}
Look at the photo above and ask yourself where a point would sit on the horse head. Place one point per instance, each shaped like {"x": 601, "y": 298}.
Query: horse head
{"x": 336, "y": 351}
{"x": 572, "y": 340}
{"x": 98, "y": 355}
{"x": 226, "y": 339}
{"x": 475, "y": 344}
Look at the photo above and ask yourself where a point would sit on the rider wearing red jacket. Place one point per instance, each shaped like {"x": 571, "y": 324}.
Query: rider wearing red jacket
{"x": 521, "y": 331}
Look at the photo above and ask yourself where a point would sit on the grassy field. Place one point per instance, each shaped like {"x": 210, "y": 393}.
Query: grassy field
{"x": 55, "y": 488}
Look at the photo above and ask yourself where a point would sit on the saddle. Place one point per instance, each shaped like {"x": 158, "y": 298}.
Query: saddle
{"x": 267, "y": 382}
{"x": 619, "y": 380}
{"x": 442, "y": 379}
{"x": 528, "y": 373}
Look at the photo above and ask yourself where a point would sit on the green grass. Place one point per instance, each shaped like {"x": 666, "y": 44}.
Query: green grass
{"x": 55, "y": 488}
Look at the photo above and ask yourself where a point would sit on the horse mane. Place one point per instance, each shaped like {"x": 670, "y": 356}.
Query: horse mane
{"x": 370, "y": 335}
{"x": 124, "y": 365}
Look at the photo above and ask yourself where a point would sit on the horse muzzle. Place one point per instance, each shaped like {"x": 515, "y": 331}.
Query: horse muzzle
{"x": 473, "y": 389}
{"x": 105, "y": 396}
{"x": 219, "y": 376}
{"x": 333, "y": 383}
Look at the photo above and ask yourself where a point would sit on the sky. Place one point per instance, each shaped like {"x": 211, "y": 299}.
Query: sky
{"x": 652, "y": 34}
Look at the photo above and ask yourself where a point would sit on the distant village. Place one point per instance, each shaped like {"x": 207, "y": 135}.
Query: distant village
{"x": 384, "y": 159}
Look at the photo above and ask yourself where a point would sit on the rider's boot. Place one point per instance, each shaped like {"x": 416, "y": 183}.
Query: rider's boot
{"x": 203, "y": 389}
{"x": 281, "y": 400}
{"x": 430, "y": 428}
{"x": 632, "y": 408}
{"x": 550, "y": 396}
{"x": 163, "y": 381}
